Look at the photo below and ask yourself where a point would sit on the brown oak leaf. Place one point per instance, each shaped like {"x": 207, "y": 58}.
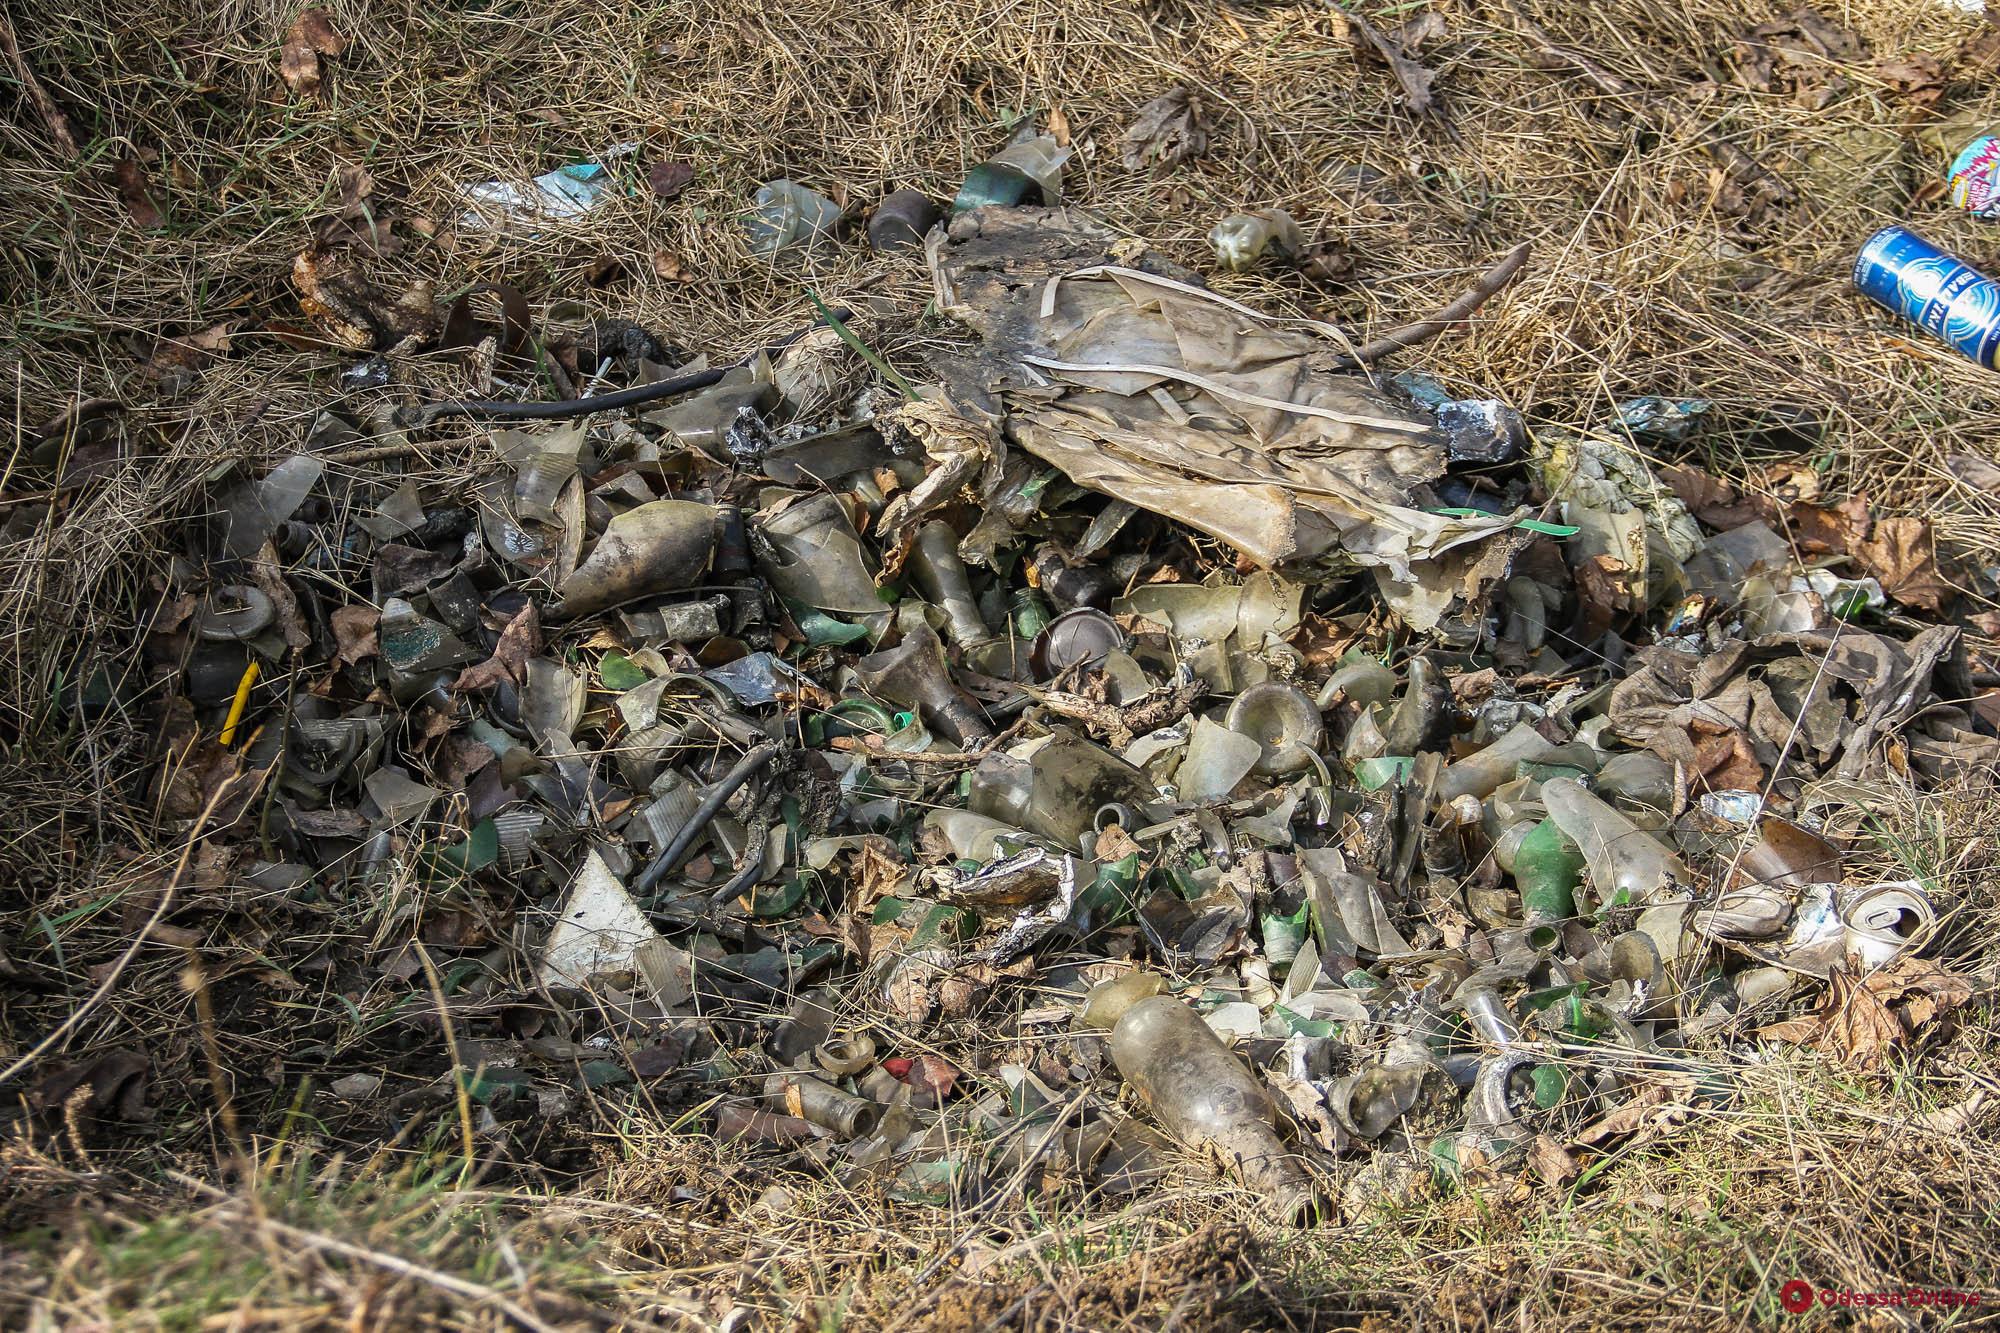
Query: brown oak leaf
{"x": 354, "y": 636}
{"x": 135, "y": 188}
{"x": 311, "y": 36}
{"x": 1899, "y": 553}
{"x": 521, "y": 640}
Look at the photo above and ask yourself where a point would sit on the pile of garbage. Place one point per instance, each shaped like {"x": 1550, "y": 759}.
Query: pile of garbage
{"x": 1151, "y": 732}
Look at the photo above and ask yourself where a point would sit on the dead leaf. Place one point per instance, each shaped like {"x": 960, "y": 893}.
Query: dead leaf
{"x": 1979, "y": 473}
{"x": 135, "y": 188}
{"x": 1415, "y": 79}
{"x": 1115, "y": 844}
{"x": 1835, "y": 529}
{"x": 1603, "y": 589}
{"x": 1923, "y": 989}
{"x": 190, "y": 353}
{"x": 455, "y": 928}
{"x": 1651, "y": 1109}
{"x": 1860, "y": 1030}
{"x": 1900, "y": 555}
{"x": 1713, "y": 501}
{"x": 358, "y": 313}
{"x": 1796, "y": 55}
{"x": 180, "y": 937}
{"x": 1168, "y": 131}
{"x": 1326, "y": 261}
{"x": 331, "y": 822}
{"x": 113, "y": 1081}
{"x": 1862, "y": 1022}
{"x": 519, "y": 641}
{"x": 1552, "y": 1162}
{"x": 1980, "y": 56}
{"x": 264, "y": 572}
{"x": 1918, "y": 76}
{"x": 1058, "y": 125}
{"x": 1470, "y": 689}
{"x": 670, "y": 266}
{"x": 311, "y": 36}
{"x": 354, "y": 634}
{"x": 878, "y": 873}
{"x": 931, "y": 1077}
{"x": 669, "y": 177}
{"x": 1791, "y": 482}
{"x": 1425, "y": 27}
{"x": 1306, "y": 1107}
{"x": 1956, "y": 1119}
{"x": 361, "y": 220}
{"x": 1725, "y": 760}
{"x": 459, "y": 758}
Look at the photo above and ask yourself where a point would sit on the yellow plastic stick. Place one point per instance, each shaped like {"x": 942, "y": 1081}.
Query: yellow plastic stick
{"x": 239, "y": 703}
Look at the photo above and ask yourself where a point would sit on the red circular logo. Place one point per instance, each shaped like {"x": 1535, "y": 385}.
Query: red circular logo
{"x": 1796, "y": 1296}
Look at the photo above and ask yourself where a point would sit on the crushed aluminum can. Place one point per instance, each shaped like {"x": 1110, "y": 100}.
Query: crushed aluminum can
{"x": 1941, "y": 294}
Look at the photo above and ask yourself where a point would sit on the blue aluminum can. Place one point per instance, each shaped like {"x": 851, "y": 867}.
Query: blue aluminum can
{"x": 1945, "y": 296}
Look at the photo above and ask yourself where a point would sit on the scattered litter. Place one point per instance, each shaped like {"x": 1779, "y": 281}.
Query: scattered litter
{"x": 554, "y": 197}
{"x": 1133, "y": 679}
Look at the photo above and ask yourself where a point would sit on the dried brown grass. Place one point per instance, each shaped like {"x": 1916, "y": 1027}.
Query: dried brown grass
{"x": 1645, "y": 280}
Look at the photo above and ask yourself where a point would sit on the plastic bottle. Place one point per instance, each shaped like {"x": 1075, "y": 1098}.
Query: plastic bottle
{"x": 1206, "y": 1098}
{"x": 973, "y": 837}
{"x": 1001, "y": 788}
{"x": 1072, "y": 778}
{"x": 1242, "y": 239}
{"x": 1108, "y": 1001}
{"x": 786, "y": 214}
{"x": 1480, "y": 772}
{"x": 1627, "y": 865}
{"x": 1489, "y": 1016}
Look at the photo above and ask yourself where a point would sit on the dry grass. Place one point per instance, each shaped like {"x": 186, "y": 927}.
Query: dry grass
{"x": 1649, "y": 276}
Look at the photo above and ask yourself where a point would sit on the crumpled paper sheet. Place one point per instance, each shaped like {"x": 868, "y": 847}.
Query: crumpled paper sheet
{"x": 1142, "y": 386}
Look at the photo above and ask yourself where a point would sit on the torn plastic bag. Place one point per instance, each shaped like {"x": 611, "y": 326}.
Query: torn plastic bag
{"x": 1148, "y": 388}
{"x": 599, "y": 932}
{"x": 1627, "y": 513}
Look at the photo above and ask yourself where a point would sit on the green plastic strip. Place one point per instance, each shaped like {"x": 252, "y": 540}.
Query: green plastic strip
{"x": 1530, "y": 524}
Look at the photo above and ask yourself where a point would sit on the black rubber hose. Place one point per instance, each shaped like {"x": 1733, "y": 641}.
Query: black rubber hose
{"x": 749, "y": 766}
{"x": 740, "y": 882}
{"x": 415, "y": 418}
